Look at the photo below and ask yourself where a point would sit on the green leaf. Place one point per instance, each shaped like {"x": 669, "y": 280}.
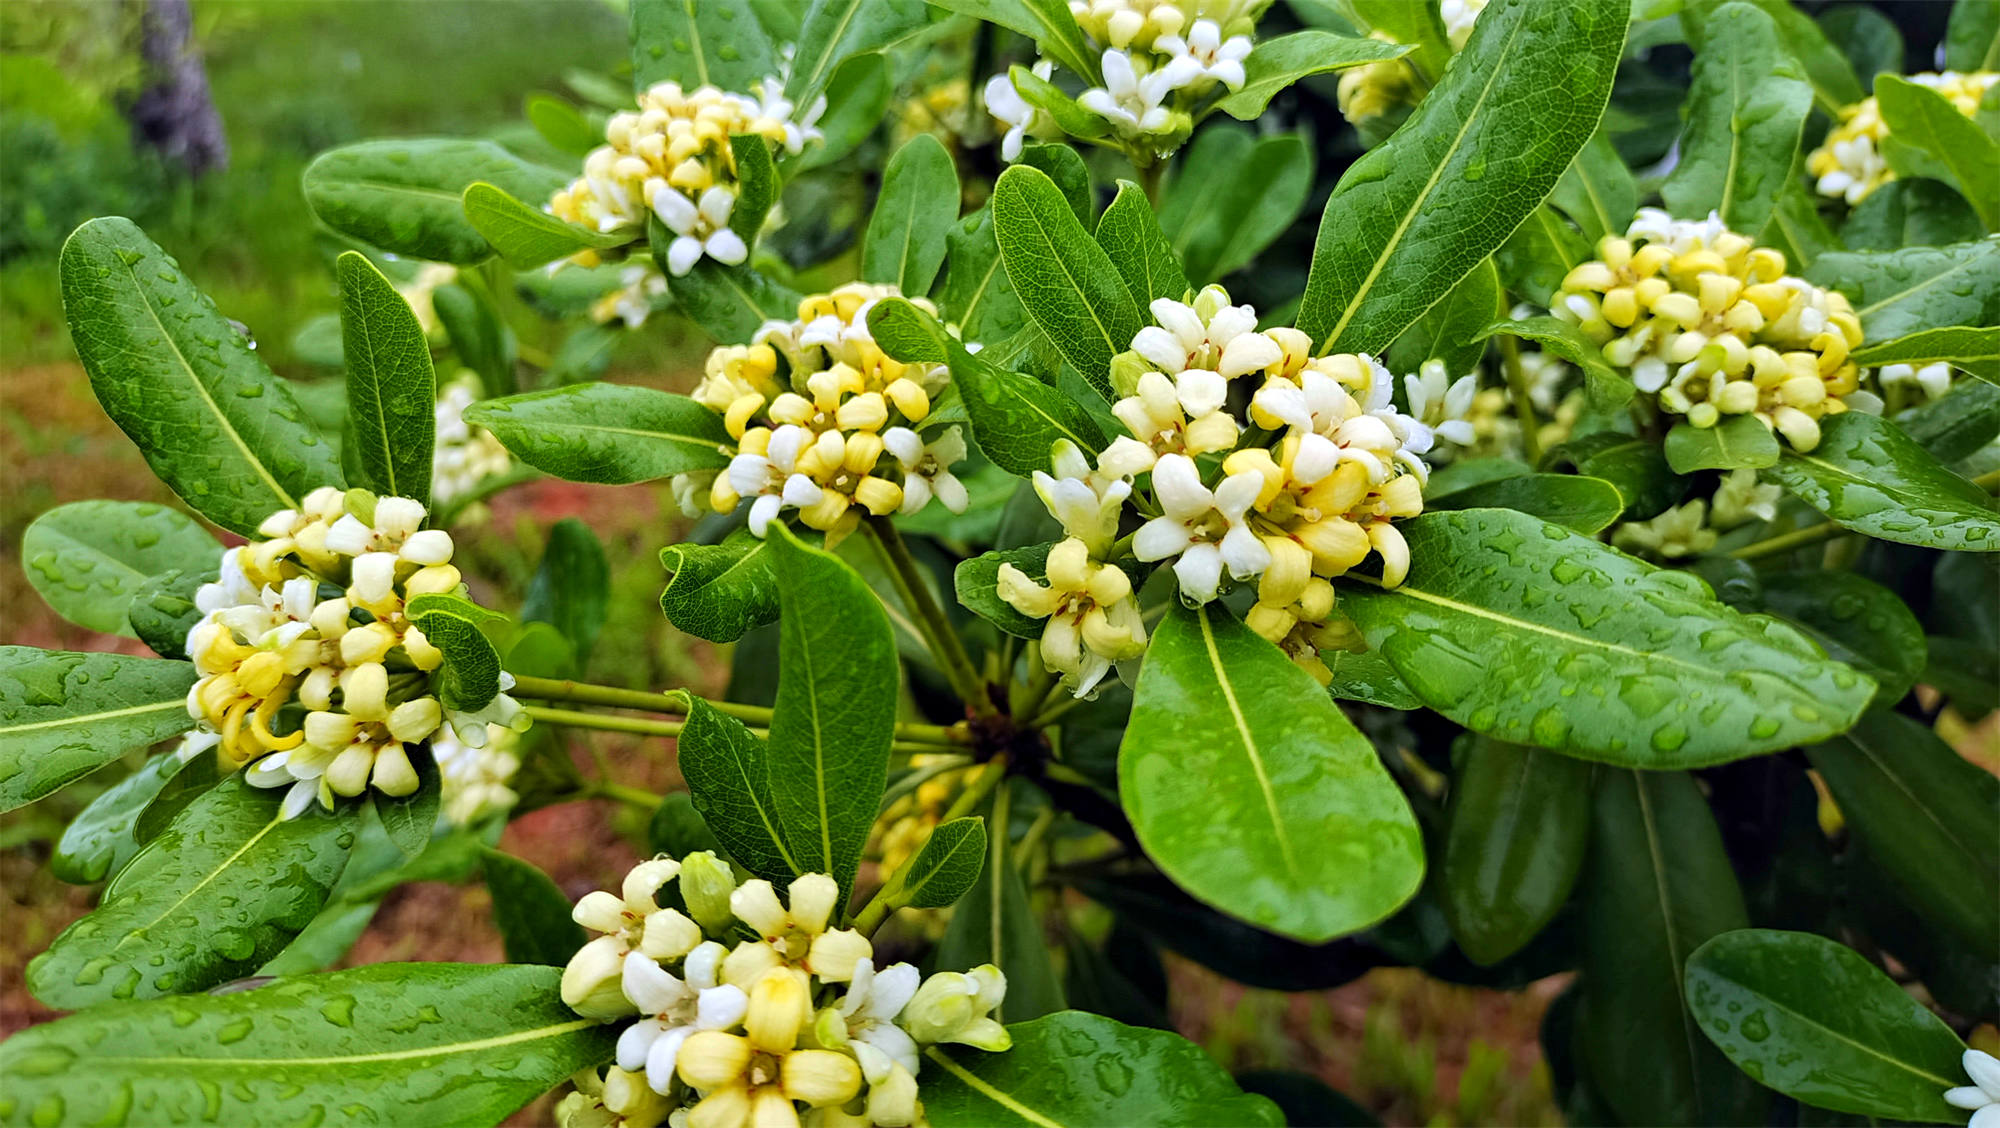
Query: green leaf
{"x": 1065, "y": 280}
{"x": 1897, "y": 293}
{"x": 1607, "y": 388}
{"x": 1535, "y": 259}
{"x": 571, "y": 590}
{"x": 1367, "y": 677}
{"x": 406, "y": 197}
{"x": 391, "y": 388}
{"x": 163, "y": 609}
{"x": 836, "y": 710}
{"x": 1478, "y": 156}
{"x": 1046, "y": 23}
{"x": 1856, "y": 620}
{"x": 856, "y": 102}
{"x": 1519, "y": 820}
{"x": 524, "y": 234}
{"x": 171, "y": 371}
{"x": 1220, "y": 220}
{"x": 531, "y": 912}
{"x": 1833, "y": 82}
{"x": 836, "y": 30}
{"x": 1248, "y": 786}
{"x": 757, "y": 188}
{"x": 1870, "y": 41}
{"x": 677, "y": 829}
{"x": 477, "y": 332}
{"x": 1658, "y": 885}
{"x": 1972, "y": 40}
{"x": 1738, "y": 442}
{"x": 213, "y": 897}
{"x": 994, "y": 923}
{"x": 717, "y": 42}
{"x": 1811, "y": 1018}
{"x": 1451, "y": 331}
{"x": 612, "y": 434}
{"x": 946, "y": 868}
{"x": 538, "y": 650}
{"x": 720, "y": 591}
{"x": 1867, "y": 475}
{"x": 434, "y": 1043}
{"x": 89, "y": 559}
{"x": 977, "y": 296}
{"x": 1797, "y": 231}
{"x": 1506, "y": 622}
{"x": 99, "y": 841}
{"x": 1418, "y": 24}
{"x": 917, "y": 207}
{"x": 410, "y": 819}
{"x": 1976, "y": 350}
{"x": 1926, "y": 816}
{"x": 1597, "y": 190}
{"x": 1746, "y": 108}
{"x": 1016, "y": 419}
{"x": 729, "y": 302}
{"x": 1069, "y": 117}
{"x": 1926, "y": 119}
{"x": 561, "y": 125}
{"x": 469, "y": 680}
{"x": 1130, "y": 233}
{"x": 1277, "y": 63}
{"x": 974, "y": 582}
{"x": 1587, "y": 505}
{"x": 63, "y": 716}
{"x": 728, "y": 772}
{"x": 1077, "y": 1068}
{"x": 1955, "y": 427}
{"x": 192, "y": 780}
{"x": 1635, "y": 465}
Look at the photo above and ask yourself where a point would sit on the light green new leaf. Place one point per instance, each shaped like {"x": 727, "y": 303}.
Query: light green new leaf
{"x": 1972, "y": 40}
{"x": 1746, "y": 107}
{"x": 1813, "y": 1019}
{"x": 1897, "y": 293}
{"x": 1046, "y": 23}
{"x": 1074, "y": 1068}
{"x": 728, "y": 771}
{"x": 407, "y": 197}
{"x": 1607, "y": 388}
{"x": 1597, "y": 190}
{"x": 836, "y": 710}
{"x": 1067, "y": 282}
{"x": 429, "y": 1043}
{"x": 1926, "y": 816}
{"x": 469, "y": 680}
{"x": 1130, "y": 233}
{"x": 1739, "y": 441}
{"x": 720, "y": 591}
{"x": 994, "y": 923}
{"x": 170, "y": 370}
{"x": 1867, "y": 475}
{"x": 977, "y": 295}
{"x": 530, "y": 910}
{"x": 1277, "y": 63}
{"x": 1926, "y": 119}
{"x": 730, "y": 302}
{"x": 1219, "y": 219}
{"x": 1855, "y": 619}
{"x": 1478, "y": 156}
{"x": 391, "y": 387}
{"x": 1506, "y": 623}
{"x": 571, "y": 589}
{"x": 99, "y": 841}
{"x": 612, "y": 434}
{"x": 561, "y": 125}
{"x": 1452, "y": 331}
{"x": 1249, "y": 787}
{"x": 1574, "y": 501}
{"x": 1976, "y": 350}
{"x": 524, "y": 234}
{"x": 945, "y": 868}
{"x": 218, "y": 893}
{"x": 1519, "y": 822}
{"x": 836, "y": 30}
{"x": 89, "y": 558}
{"x": 917, "y": 207}
{"x": 700, "y": 43}
{"x": 64, "y": 715}
{"x": 1419, "y": 24}
{"x": 1068, "y": 116}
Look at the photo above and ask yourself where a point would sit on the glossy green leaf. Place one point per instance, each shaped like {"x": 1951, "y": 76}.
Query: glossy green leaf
{"x": 1534, "y": 634}
{"x": 1607, "y": 388}
{"x": 89, "y": 559}
{"x": 994, "y": 923}
{"x": 1065, "y": 280}
{"x": 1897, "y": 293}
{"x": 531, "y": 911}
{"x": 1597, "y": 190}
{"x": 436, "y": 1044}
{"x": 406, "y": 197}
{"x": 1972, "y": 40}
{"x": 1958, "y": 425}
{"x": 700, "y": 43}
{"x": 757, "y": 186}
{"x": 1746, "y": 108}
{"x": 1910, "y": 212}
{"x": 1279, "y": 62}
{"x": 1926, "y": 816}
{"x": 1635, "y": 465}
{"x": 946, "y": 868}
{"x": 213, "y": 897}
{"x": 1218, "y": 219}
{"x": 1519, "y": 820}
{"x": 1535, "y": 259}
{"x": 410, "y": 819}
{"x": 65, "y": 715}
{"x": 391, "y": 388}
{"x": 1074, "y": 1068}
{"x": 1478, "y": 156}
{"x": 469, "y": 680}
{"x": 857, "y": 101}
{"x": 836, "y": 710}
{"x": 99, "y": 841}
{"x": 917, "y": 207}
{"x": 1069, "y": 117}
{"x": 478, "y": 334}
{"x": 163, "y": 610}
{"x": 1740, "y": 441}
{"x": 833, "y": 31}
{"x": 1587, "y": 505}
{"x": 1658, "y": 885}
{"x": 613, "y": 434}
{"x": 977, "y": 295}
{"x": 1926, "y": 119}
{"x": 1867, "y": 475}
{"x": 1976, "y": 350}
{"x": 1856, "y": 620}
{"x": 170, "y": 370}
{"x": 1046, "y": 23}
{"x": 1813, "y": 1019}
{"x": 571, "y": 589}
{"x": 1367, "y": 677}
{"x": 719, "y": 591}
{"x": 728, "y": 771}
{"x": 561, "y": 124}
{"x": 524, "y": 234}
{"x": 1130, "y": 233}
{"x": 1451, "y": 331}
{"x": 729, "y": 302}
{"x": 185, "y": 784}
{"x": 974, "y": 582}
{"x": 1832, "y": 80}
{"x": 1248, "y": 786}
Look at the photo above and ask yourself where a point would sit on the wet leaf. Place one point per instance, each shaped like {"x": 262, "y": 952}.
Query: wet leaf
{"x": 613, "y": 434}
{"x": 916, "y": 209}
{"x": 1587, "y": 505}
{"x": 1976, "y": 350}
{"x": 728, "y": 770}
{"x": 1367, "y": 677}
{"x": 718, "y": 42}
{"x": 977, "y": 295}
{"x": 469, "y": 680}
{"x": 1922, "y": 117}
{"x": 1219, "y": 220}
{"x": 1635, "y": 465}
{"x": 1277, "y": 63}
{"x": 729, "y": 302}
{"x": 89, "y": 559}
{"x": 562, "y": 125}
{"x": 391, "y": 387}
{"x": 833, "y": 31}
{"x": 1834, "y": 85}
{"x": 184, "y": 784}
{"x": 1958, "y": 425}
{"x": 1519, "y": 820}
{"x": 406, "y": 197}
{"x": 1857, "y": 620}
{"x": 163, "y": 609}
{"x": 1130, "y": 233}
{"x": 477, "y": 333}
{"x": 65, "y": 715}
{"x": 1910, "y": 212}
{"x": 100, "y": 840}
{"x": 1452, "y": 331}
{"x": 856, "y": 102}
{"x": 1745, "y": 109}
{"x": 1607, "y": 388}
{"x": 1597, "y": 190}
{"x": 1065, "y": 280}
{"x": 531, "y": 912}
{"x": 1867, "y": 475}
{"x": 720, "y": 591}
{"x": 1046, "y": 23}
{"x": 411, "y": 818}
{"x": 524, "y": 234}
{"x": 1740, "y": 441}
{"x": 1897, "y": 293}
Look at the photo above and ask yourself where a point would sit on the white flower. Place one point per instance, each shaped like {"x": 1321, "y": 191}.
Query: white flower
{"x": 1210, "y": 334}
{"x": 927, "y": 469}
{"x": 1933, "y": 379}
{"x": 1459, "y": 16}
{"x": 1740, "y": 497}
{"x": 774, "y": 105}
{"x": 475, "y": 779}
{"x": 772, "y": 478}
{"x": 1128, "y": 100}
{"x": 1204, "y": 56}
{"x": 1336, "y": 427}
{"x": 1982, "y": 1097}
{"x": 1093, "y": 621}
{"x": 954, "y": 1006}
{"x": 1086, "y": 504}
{"x": 465, "y": 455}
{"x": 1021, "y": 117}
{"x": 674, "y": 1009}
{"x": 702, "y": 228}
{"x": 1441, "y": 404}
{"x": 632, "y": 921}
{"x": 1204, "y": 528}
{"x": 871, "y": 1005}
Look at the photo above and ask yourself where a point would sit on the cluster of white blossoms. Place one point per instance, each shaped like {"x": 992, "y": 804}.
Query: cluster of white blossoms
{"x": 673, "y": 158}
{"x": 1375, "y": 89}
{"x": 465, "y": 454}
{"x": 1693, "y": 527}
{"x": 640, "y": 284}
{"x": 1311, "y": 477}
{"x": 1849, "y": 163}
{"x": 836, "y": 433}
{"x": 322, "y": 692}
{"x": 748, "y": 1008}
{"x": 475, "y": 781}
{"x": 1715, "y": 327}
{"x": 420, "y": 290}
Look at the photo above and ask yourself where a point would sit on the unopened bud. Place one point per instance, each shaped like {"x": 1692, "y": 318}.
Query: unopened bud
{"x": 706, "y": 883}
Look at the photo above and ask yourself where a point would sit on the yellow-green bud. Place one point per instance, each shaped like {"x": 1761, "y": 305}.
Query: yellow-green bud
{"x": 1126, "y": 368}
{"x": 706, "y": 884}
{"x": 360, "y": 504}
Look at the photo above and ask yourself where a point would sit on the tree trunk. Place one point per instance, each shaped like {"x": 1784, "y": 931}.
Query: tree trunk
{"x": 174, "y": 114}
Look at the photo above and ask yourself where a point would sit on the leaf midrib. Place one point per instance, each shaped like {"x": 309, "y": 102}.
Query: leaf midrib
{"x": 819, "y": 71}
{"x": 1668, "y": 925}
{"x": 179, "y": 700}
{"x": 519, "y": 1036}
{"x": 1249, "y": 746}
{"x": 1808, "y": 1020}
{"x": 979, "y": 1085}
{"x": 277, "y": 820}
{"x": 1883, "y": 766}
{"x": 694, "y": 42}
{"x": 1910, "y": 497}
{"x": 1904, "y": 295}
{"x": 1034, "y": 215}
{"x": 371, "y": 385}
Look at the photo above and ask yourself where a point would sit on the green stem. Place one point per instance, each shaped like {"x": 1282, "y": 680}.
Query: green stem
{"x": 944, "y": 643}
{"x": 636, "y": 796}
{"x": 636, "y": 725}
{"x": 947, "y": 737}
{"x": 878, "y": 907}
{"x": 996, "y": 835}
{"x": 975, "y": 792}
{"x": 1024, "y": 850}
{"x": 1051, "y": 713}
{"x": 1524, "y": 407}
{"x": 1150, "y": 178}
{"x": 1787, "y": 542}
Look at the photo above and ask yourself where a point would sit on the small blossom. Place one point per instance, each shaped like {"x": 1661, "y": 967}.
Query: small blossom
{"x": 1982, "y": 1097}
{"x": 1203, "y": 528}
{"x": 674, "y": 1009}
{"x": 1022, "y": 118}
{"x": 631, "y": 921}
{"x": 1740, "y": 498}
{"x": 1093, "y": 619}
{"x": 1678, "y": 533}
{"x": 956, "y": 1007}
{"x": 1849, "y": 164}
{"x": 1442, "y": 404}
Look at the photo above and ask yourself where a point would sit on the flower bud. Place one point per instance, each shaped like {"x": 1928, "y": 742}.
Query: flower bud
{"x": 892, "y": 1102}
{"x": 710, "y": 1059}
{"x": 706, "y": 883}
{"x": 835, "y": 953}
{"x": 592, "y": 983}
{"x": 779, "y": 1006}
{"x": 394, "y": 775}
{"x": 820, "y": 1077}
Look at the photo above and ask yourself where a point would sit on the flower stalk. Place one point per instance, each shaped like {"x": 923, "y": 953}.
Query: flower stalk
{"x": 939, "y": 636}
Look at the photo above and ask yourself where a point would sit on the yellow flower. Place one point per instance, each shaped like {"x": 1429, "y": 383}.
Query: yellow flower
{"x": 1093, "y": 619}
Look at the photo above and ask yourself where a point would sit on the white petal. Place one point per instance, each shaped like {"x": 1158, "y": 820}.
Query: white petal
{"x": 701, "y": 965}
{"x": 1201, "y": 391}
{"x": 1984, "y": 1070}
{"x": 716, "y": 204}
{"x": 1316, "y": 459}
{"x": 1967, "y": 1097}
{"x": 682, "y": 255}
{"x": 726, "y": 246}
{"x": 720, "y": 1008}
{"x": 762, "y": 511}
{"x": 1199, "y": 570}
{"x": 1236, "y": 494}
{"x": 675, "y": 210}
{"x": 662, "y": 1058}
{"x": 894, "y": 1042}
{"x": 1161, "y": 347}
{"x": 636, "y": 1041}
{"x": 1180, "y": 320}
{"x": 1244, "y": 552}
{"x": 905, "y": 445}
{"x": 1160, "y": 538}
{"x": 1177, "y": 485}
{"x": 652, "y": 988}
{"x": 1119, "y": 77}
{"x": 802, "y": 492}
{"x": 892, "y": 990}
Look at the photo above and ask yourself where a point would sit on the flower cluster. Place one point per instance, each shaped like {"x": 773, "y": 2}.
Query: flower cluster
{"x": 465, "y": 455}
{"x": 1715, "y": 326}
{"x": 322, "y": 692}
{"x": 1849, "y": 163}
{"x": 640, "y": 287}
{"x": 475, "y": 780}
{"x": 1375, "y": 89}
{"x": 420, "y": 290}
{"x": 750, "y": 1007}
{"x": 836, "y": 433}
{"x": 673, "y": 157}
{"x": 1312, "y": 473}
